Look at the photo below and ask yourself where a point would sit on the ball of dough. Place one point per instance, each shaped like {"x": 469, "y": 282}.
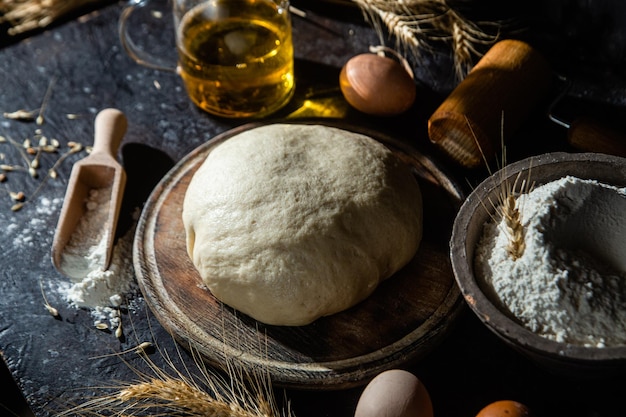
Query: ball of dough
{"x": 288, "y": 223}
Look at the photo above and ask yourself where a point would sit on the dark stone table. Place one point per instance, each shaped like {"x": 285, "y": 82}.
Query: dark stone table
{"x": 84, "y": 64}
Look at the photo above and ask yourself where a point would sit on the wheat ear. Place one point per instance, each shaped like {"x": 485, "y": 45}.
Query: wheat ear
{"x": 507, "y": 206}
{"x": 426, "y": 24}
{"x": 27, "y": 15}
{"x": 236, "y": 391}
{"x": 510, "y": 213}
{"x": 240, "y": 394}
{"x": 179, "y": 397}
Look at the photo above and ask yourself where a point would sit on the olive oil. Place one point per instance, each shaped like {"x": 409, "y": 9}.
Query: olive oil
{"x": 235, "y": 63}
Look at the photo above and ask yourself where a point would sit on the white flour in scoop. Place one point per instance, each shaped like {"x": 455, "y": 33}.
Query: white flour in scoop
{"x": 102, "y": 291}
{"x": 570, "y": 283}
{"x": 86, "y": 250}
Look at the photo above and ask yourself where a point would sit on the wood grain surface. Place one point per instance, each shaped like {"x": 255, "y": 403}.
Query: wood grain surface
{"x": 403, "y": 320}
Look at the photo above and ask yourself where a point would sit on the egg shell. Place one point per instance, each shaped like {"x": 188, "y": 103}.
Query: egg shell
{"x": 394, "y": 393}
{"x": 505, "y": 408}
{"x": 377, "y": 85}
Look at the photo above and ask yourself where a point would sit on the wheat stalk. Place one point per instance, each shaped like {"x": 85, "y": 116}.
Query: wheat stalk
{"x": 177, "y": 396}
{"x": 181, "y": 395}
{"x": 426, "y": 24}
{"x": 169, "y": 391}
{"x": 510, "y": 214}
{"x": 27, "y": 15}
{"x": 506, "y": 206}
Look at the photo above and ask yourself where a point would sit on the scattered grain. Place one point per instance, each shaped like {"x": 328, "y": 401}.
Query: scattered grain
{"x": 119, "y": 333}
{"x": 74, "y": 146}
{"x": 101, "y": 326}
{"x": 22, "y": 115}
{"x": 17, "y": 196}
{"x": 45, "y": 100}
{"x": 143, "y": 348}
{"x": 53, "y": 311}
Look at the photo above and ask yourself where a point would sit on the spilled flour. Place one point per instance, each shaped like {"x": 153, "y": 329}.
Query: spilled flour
{"x": 570, "y": 283}
{"x": 83, "y": 259}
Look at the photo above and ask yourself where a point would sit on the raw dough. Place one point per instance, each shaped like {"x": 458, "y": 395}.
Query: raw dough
{"x": 288, "y": 223}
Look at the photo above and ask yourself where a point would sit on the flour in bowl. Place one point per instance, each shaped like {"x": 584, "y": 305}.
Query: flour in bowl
{"x": 569, "y": 285}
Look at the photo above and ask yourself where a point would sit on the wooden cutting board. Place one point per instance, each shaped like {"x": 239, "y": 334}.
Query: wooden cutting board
{"x": 402, "y": 321}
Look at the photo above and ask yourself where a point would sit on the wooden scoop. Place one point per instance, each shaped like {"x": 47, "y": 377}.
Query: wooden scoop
{"x": 99, "y": 170}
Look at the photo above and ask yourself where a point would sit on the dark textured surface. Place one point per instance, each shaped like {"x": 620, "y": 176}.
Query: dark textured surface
{"x": 50, "y": 358}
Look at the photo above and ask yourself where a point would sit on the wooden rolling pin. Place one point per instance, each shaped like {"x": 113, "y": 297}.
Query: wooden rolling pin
{"x": 589, "y": 135}
{"x": 491, "y": 102}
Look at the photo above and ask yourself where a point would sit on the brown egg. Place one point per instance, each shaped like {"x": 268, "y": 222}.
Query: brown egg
{"x": 505, "y": 408}
{"x": 377, "y": 85}
{"x": 394, "y": 393}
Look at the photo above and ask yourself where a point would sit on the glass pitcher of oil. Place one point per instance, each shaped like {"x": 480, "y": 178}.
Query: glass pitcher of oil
{"x": 235, "y": 57}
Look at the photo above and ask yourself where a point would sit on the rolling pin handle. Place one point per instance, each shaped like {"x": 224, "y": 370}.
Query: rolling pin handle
{"x": 589, "y": 135}
{"x": 564, "y": 91}
{"x": 491, "y": 102}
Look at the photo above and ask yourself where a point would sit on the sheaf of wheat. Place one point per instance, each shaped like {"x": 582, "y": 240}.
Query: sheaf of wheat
{"x": 426, "y": 25}
{"x": 27, "y": 15}
{"x": 158, "y": 391}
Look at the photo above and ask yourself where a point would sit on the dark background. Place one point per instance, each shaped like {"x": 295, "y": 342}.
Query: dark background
{"x": 585, "y": 40}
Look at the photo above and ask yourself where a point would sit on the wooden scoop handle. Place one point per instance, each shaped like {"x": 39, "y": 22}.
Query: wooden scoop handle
{"x": 110, "y": 127}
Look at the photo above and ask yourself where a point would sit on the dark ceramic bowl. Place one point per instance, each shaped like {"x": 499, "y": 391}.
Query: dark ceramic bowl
{"x": 468, "y": 227}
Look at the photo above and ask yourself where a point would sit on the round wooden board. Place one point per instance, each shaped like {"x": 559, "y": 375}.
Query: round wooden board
{"x": 402, "y": 321}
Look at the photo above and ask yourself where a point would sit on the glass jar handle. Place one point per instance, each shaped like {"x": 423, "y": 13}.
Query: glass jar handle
{"x": 137, "y": 54}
